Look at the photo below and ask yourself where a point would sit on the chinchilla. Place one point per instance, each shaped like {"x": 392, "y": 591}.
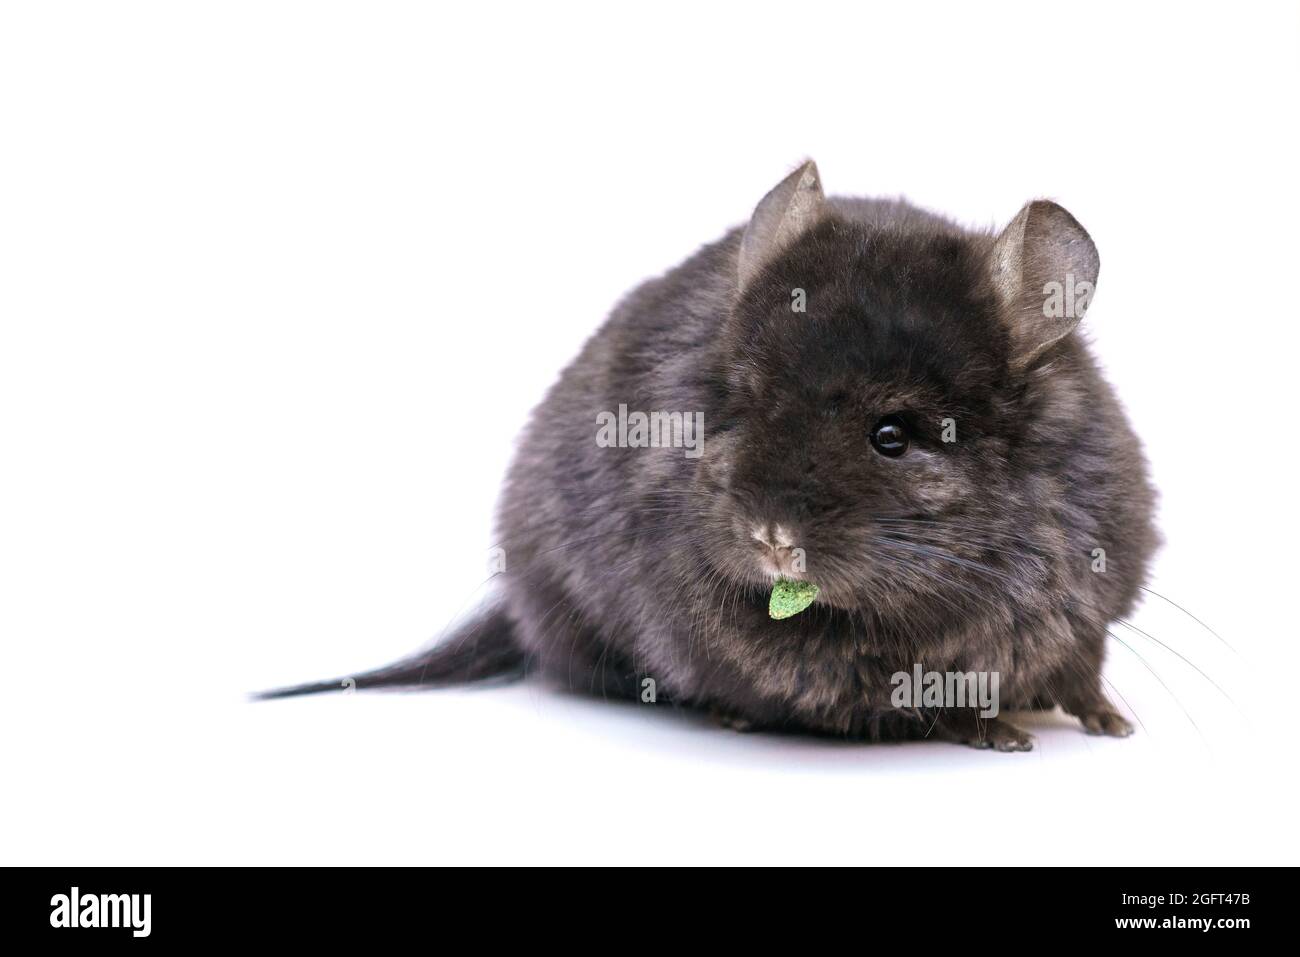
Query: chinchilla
{"x": 850, "y": 394}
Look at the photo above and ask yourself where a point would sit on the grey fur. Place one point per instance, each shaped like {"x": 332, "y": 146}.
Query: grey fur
{"x": 627, "y": 564}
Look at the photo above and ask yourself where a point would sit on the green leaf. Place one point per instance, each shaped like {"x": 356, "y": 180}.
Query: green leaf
{"x": 790, "y": 597}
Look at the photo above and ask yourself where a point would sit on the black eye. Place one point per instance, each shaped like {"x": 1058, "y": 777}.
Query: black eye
{"x": 889, "y": 437}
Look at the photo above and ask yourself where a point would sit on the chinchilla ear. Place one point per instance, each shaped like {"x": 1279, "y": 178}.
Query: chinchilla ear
{"x": 1045, "y": 270}
{"x": 791, "y": 207}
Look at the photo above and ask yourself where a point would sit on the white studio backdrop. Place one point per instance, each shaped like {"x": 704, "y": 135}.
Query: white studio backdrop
{"x": 280, "y": 282}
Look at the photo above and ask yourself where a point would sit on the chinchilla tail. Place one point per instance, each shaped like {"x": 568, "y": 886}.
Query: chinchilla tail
{"x": 482, "y": 648}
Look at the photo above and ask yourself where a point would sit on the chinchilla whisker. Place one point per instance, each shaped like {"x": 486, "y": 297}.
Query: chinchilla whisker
{"x": 934, "y": 576}
{"x": 940, "y": 554}
{"x": 1124, "y": 701}
{"x": 1099, "y": 673}
{"x": 599, "y": 509}
{"x": 629, "y": 532}
{"x": 942, "y": 525}
{"x": 1129, "y": 625}
{"x": 1155, "y": 675}
{"x": 979, "y": 538}
{"x": 1081, "y": 667}
{"x": 918, "y": 535}
{"x": 1174, "y": 651}
{"x": 921, "y": 524}
{"x": 1152, "y": 591}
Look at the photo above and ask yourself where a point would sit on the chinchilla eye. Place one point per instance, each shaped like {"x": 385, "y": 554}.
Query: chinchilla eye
{"x": 889, "y": 437}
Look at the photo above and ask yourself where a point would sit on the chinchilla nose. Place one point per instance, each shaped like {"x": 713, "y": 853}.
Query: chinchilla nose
{"x": 780, "y": 555}
{"x": 774, "y": 535}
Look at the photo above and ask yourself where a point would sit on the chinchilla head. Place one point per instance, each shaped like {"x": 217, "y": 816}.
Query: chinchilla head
{"x": 895, "y": 399}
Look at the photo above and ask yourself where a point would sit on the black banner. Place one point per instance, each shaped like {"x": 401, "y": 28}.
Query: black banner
{"x": 138, "y": 907}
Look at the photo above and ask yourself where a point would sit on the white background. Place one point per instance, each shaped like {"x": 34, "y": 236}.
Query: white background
{"x": 280, "y": 282}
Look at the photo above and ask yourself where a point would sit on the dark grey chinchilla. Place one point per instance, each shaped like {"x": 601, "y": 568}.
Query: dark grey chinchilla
{"x": 894, "y": 409}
